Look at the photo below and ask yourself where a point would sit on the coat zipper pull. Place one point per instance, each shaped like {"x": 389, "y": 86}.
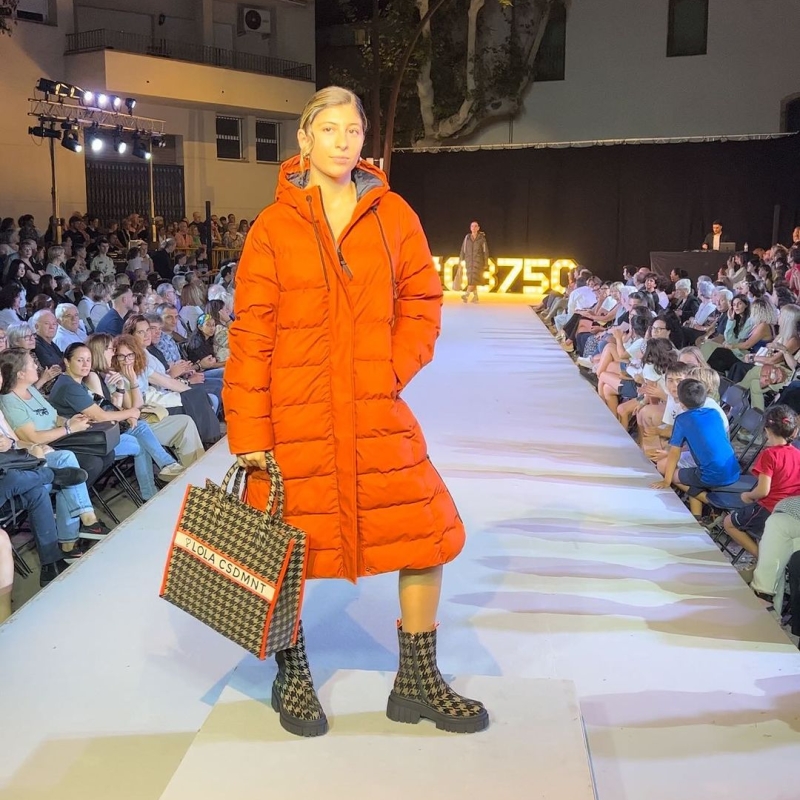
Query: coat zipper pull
{"x": 343, "y": 264}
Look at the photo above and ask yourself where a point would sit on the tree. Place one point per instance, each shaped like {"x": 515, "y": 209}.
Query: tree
{"x": 446, "y": 67}
{"x": 8, "y": 15}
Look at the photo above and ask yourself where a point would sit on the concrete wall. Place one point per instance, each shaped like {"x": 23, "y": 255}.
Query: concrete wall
{"x": 620, "y": 83}
{"x": 185, "y": 96}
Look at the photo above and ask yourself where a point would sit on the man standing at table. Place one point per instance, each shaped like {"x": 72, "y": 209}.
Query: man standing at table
{"x": 713, "y": 239}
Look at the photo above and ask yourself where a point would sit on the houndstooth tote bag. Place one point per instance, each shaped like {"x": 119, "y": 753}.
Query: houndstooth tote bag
{"x": 239, "y": 570}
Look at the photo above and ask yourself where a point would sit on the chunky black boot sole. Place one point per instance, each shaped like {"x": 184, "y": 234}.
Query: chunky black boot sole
{"x": 295, "y": 726}
{"x": 402, "y": 709}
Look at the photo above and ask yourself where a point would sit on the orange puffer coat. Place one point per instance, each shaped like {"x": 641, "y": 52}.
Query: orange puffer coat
{"x": 326, "y": 336}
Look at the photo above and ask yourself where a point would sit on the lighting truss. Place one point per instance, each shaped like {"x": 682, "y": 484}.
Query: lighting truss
{"x": 53, "y": 111}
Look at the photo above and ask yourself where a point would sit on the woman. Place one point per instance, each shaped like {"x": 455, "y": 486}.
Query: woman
{"x": 124, "y": 356}
{"x": 35, "y": 426}
{"x": 474, "y": 257}
{"x": 22, "y": 335}
{"x": 232, "y": 240}
{"x": 10, "y": 304}
{"x": 772, "y": 369}
{"x": 748, "y": 328}
{"x": 179, "y": 395}
{"x": 193, "y": 298}
{"x": 200, "y": 347}
{"x": 72, "y": 394}
{"x": 659, "y": 356}
{"x": 295, "y": 275}
{"x": 220, "y": 312}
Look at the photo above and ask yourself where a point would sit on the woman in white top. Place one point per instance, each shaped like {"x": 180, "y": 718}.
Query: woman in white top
{"x": 10, "y": 304}
{"x": 193, "y": 301}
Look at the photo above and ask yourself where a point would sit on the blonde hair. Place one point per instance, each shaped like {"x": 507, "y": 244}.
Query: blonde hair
{"x": 696, "y": 354}
{"x": 709, "y": 378}
{"x": 788, "y": 323}
{"x": 328, "y": 97}
{"x": 762, "y": 311}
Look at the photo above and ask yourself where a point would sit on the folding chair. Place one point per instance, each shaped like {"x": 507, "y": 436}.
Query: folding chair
{"x": 724, "y": 499}
{"x": 751, "y": 422}
{"x": 734, "y": 403}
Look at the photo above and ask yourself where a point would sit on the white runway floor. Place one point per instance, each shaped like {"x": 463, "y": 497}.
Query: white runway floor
{"x": 574, "y": 570}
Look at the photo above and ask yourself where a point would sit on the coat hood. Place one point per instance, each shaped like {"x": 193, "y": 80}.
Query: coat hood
{"x": 371, "y": 184}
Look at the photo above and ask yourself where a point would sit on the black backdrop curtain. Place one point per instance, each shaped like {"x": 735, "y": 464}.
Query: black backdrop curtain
{"x": 605, "y": 205}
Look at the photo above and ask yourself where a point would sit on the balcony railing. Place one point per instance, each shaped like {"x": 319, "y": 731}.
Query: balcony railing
{"x": 89, "y": 41}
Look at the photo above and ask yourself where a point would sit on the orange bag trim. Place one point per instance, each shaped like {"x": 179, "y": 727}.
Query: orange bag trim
{"x": 164, "y": 580}
{"x": 289, "y": 550}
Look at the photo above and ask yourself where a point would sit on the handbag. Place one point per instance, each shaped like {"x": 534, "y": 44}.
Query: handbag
{"x": 19, "y": 459}
{"x": 152, "y": 413}
{"x": 239, "y": 570}
{"x": 99, "y": 439}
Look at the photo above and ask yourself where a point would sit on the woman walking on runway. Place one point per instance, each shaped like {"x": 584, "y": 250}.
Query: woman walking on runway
{"x": 338, "y": 306}
{"x": 474, "y": 259}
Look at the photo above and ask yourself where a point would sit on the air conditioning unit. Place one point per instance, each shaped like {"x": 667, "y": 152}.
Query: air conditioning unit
{"x": 256, "y": 20}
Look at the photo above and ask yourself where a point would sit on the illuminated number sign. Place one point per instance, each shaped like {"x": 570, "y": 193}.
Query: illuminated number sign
{"x": 530, "y": 276}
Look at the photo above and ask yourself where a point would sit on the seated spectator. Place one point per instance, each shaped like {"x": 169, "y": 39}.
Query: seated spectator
{"x": 71, "y": 395}
{"x": 221, "y": 313}
{"x": 232, "y": 239}
{"x": 176, "y": 394}
{"x": 781, "y": 539}
{"x": 771, "y": 367}
{"x": 56, "y": 258}
{"x": 706, "y": 314}
{"x": 200, "y": 347}
{"x": 193, "y": 299}
{"x": 45, "y": 325}
{"x": 129, "y": 360}
{"x": 183, "y": 238}
{"x": 102, "y": 261}
{"x": 70, "y": 328}
{"x": 659, "y": 355}
{"x": 10, "y": 304}
{"x": 22, "y": 335}
{"x": 121, "y": 306}
{"x": 624, "y": 353}
{"x": 777, "y": 468}
{"x": 685, "y": 303}
{"x": 93, "y": 306}
{"x": 748, "y": 328}
{"x": 42, "y": 302}
{"x": 31, "y": 420}
{"x": 655, "y": 421}
{"x": 703, "y": 432}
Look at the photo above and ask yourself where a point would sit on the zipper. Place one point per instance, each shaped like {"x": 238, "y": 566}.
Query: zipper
{"x": 374, "y": 210}
{"x": 342, "y": 263}
{"x": 319, "y": 243}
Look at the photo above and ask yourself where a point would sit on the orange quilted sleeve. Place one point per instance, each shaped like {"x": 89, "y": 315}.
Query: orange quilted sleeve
{"x": 418, "y": 309}
{"x": 248, "y": 372}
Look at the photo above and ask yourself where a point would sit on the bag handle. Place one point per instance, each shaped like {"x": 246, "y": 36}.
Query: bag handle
{"x": 235, "y": 478}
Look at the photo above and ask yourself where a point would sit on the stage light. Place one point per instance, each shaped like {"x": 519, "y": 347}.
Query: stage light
{"x": 120, "y": 145}
{"x": 139, "y": 150}
{"x": 70, "y": 142}
{"x": 156, "y": 140}
{"x": 88, "y": 98}
{"x": 102, "y": 100}
{"x": 130, "y": 103}
{"x": 45, "y": 132}
{"x": 94, "y": 140}
{"x": 116, "y": 103}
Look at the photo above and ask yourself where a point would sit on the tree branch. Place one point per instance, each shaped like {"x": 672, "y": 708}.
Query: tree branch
{"x": 424, "y": 82}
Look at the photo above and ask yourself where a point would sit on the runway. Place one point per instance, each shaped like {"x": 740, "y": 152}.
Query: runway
{"x": 575, "y": 573}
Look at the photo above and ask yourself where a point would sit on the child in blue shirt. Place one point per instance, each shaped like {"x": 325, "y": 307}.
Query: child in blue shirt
{"x": 703, "y": 431}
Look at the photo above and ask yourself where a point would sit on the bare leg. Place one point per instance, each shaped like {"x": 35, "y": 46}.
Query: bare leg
{"x": 419, "y": 598}
{"x": 6, "y": 576}
{"x": 740, "y": 537}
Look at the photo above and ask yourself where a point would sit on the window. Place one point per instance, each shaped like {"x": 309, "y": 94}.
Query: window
{"x": 549, "y": 64}
{"x": 229, "y": 138}
{"x": 688, "y": 28}
{"x": 36, "y": 11}
{"x": 267, "y": 141}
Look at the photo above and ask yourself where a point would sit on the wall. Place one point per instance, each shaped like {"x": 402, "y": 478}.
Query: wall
{"x": 620, "y": 84}
{"x": 31, "y": 52}
{"x": 243, "y": 188}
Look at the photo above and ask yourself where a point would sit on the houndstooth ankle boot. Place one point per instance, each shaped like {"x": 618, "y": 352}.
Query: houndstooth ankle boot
{"x": 420, "y": 691}
{"x": 293, "y": 695}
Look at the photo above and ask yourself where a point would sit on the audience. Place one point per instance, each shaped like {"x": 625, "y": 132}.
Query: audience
{"x": 64, "y": 301}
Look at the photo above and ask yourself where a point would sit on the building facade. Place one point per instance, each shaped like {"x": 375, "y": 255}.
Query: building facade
{"x": 659, "y": 69}
{"x": 228, "y": 87}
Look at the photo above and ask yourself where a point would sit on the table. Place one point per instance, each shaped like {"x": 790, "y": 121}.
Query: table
{"x": 695, "y": 262}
